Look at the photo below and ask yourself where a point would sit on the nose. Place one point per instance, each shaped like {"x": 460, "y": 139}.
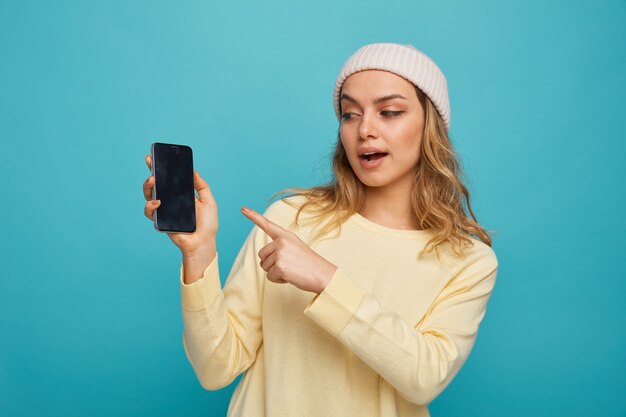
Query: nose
{"x": 367, "y": 127}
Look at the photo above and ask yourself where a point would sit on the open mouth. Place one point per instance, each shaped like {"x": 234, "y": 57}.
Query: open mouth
{"x": 372, "y": 156}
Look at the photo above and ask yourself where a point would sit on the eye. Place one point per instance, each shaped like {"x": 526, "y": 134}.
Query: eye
{"x": 347, "y": 116}
{"x": 390, "y": 113}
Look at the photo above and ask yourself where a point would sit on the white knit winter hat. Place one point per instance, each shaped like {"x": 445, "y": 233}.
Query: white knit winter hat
{"x": 405, "y": 61}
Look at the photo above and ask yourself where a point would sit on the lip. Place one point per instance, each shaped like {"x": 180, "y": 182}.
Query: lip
{"x": 365, "y": 164}
{"x": 369, "y": 149}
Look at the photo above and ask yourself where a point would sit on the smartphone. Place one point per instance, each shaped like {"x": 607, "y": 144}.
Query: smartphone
{"x": 172, "y": 167}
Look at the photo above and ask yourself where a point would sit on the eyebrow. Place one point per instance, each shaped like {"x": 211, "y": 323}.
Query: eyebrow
{"x": 376, "y": 101}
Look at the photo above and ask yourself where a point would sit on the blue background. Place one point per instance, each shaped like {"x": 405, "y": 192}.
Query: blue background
{"x": 90, "y": 317}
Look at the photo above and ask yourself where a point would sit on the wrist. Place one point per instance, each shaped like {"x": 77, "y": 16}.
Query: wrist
{"x": 196, "y": 261}
{"x": 326, "y": 277}
{"x": 200, "y": 251}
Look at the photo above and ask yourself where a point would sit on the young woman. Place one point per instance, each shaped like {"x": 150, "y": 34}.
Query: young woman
{"x": 361, "y": 297}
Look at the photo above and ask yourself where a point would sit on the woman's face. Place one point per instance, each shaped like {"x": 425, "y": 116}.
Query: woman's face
{"x": 381, "y": 113}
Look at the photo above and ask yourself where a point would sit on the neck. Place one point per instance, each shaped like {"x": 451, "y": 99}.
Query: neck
{"x": 390, "y": 208}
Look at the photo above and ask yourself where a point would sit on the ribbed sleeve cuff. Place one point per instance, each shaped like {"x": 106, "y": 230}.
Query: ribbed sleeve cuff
{"x": 334, "y": 307}
{"x": 199, "y": 294}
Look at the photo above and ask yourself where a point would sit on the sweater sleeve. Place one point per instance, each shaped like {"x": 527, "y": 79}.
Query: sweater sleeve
{"x": 222, "y": 328}
{"x": 419, "y": 360}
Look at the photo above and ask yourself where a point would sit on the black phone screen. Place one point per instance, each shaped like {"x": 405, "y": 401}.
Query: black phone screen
{"x": 172, "y": 167}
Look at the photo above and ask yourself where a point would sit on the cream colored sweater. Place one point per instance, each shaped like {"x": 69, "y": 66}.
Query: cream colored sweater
{"x": 385, "y": 337}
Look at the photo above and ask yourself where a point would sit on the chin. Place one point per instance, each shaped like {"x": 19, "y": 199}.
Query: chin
{"x": 371, "y": 181}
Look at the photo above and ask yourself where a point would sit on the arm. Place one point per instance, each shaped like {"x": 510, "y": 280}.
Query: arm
{"x": 417, "y": 360}
{"x": 222, "y": 328}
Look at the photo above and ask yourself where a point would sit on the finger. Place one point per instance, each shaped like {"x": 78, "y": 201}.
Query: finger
{"x": 274, "y": 275}
{"x": 148, "y": 185}
{"x": 149, "y": 208}
{"x": 149, "y": 161}
{"x": 268, "y": 263}
{"x": 204, "y": 191}
{"x": 267, "y": 250}
{"x": 272, "y": 229}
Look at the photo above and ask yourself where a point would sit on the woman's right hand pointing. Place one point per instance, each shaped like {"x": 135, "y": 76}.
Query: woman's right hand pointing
{"x": 206, "y": 215}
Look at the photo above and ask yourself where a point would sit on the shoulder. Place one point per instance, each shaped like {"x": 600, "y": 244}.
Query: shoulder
{"x": 480, "y": 260}
{"x": 483, "y": 253}
{"x": 283, "y": 211}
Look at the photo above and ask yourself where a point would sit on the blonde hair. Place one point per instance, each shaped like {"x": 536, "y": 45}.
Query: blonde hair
{"x": 437, "y": 195}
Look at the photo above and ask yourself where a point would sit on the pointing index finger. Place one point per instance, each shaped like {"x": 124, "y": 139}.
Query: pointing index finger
{"x": 272, "y": 229}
